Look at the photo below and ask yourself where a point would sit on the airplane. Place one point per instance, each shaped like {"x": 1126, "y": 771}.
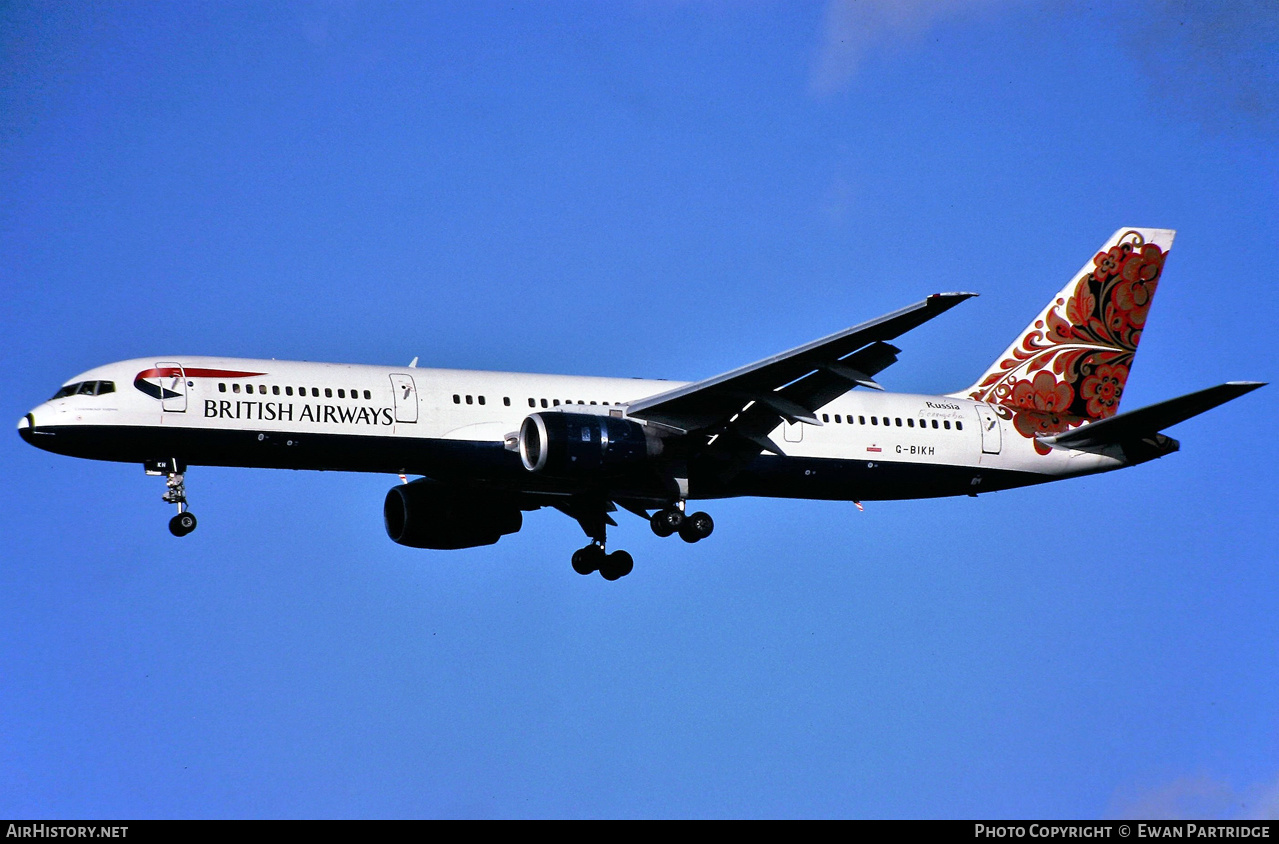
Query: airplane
{"x": 489, "y": 446}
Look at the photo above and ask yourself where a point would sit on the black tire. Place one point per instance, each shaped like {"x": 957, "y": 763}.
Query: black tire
{"x": 587, "y": 560}
{"x": 666, "y": 522}
{"x": 182, "y": 524}
{"x": 617, "y": 565}
{"x": 696, "y": 527}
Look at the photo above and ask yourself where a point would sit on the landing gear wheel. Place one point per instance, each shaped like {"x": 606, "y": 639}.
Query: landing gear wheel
{"x": 182, "y": 524}
{"x": 696, "y": 527}
{"x": 666, "y": 522}
{"x": 617, "y": 565}
{"x": 588, "y": 560}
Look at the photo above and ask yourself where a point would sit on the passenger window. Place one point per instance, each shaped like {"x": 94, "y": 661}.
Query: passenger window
{"x": 959, "y": 426}
{"x": 825, "y": 418}
{"x": 468, "y": 400}
{"x": 837, "y": 419}
{"x": 341, "y": 393}
{"x": 235, "y": 388}
{"x": 315, "y": 391}
{"x": 457, "y": 399}
{"x": 899, "y": 421}
{"x": 221, "y": 387}
{"x": 946, "y": 424}
{"x": 506, "y": 400}
{"x": 275, "y": 389}
{"x": 288, "y": 391}
{"x": 262, "y": 389}
{"x": 874, "y": 421}
{"x": 368, "y": 395}
{"x": 328, "y": 392}
{"x": 481, "y": 399}
{"x": 556, "y": 402}
{"x": 532, "y": 403}
{"x": 861, "y": 420}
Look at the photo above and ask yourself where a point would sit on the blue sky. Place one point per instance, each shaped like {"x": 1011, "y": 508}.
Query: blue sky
{"x": 654, "y": 189}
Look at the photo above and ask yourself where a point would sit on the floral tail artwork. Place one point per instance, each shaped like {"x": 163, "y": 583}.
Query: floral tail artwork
{"x": 1070, "y": 365}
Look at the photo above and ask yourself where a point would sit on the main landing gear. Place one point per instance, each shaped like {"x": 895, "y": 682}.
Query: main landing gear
{"x": 593, "y": 558}
{"x": 175, "y": 493}
{"x": 672, "y": 520}
{"x": 665, "y": 522}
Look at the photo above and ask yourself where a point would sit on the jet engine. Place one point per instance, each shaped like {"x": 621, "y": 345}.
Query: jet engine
{"x": 575, "y": 445}
{"x": 426, "y": 514}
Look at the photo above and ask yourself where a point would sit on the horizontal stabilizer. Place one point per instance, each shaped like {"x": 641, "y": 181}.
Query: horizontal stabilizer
{"x": 1147, "y": 421}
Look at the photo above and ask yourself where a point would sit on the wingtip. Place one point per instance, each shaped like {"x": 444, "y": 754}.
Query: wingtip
{"x": 945, "y": 301}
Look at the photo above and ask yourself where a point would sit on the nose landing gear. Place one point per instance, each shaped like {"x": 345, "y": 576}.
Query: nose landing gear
{"x": 175, "y": 493}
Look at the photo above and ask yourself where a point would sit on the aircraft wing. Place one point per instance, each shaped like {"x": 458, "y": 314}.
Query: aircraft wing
{"x": 1148, "y": 421}
{"x": 790, "y": 386}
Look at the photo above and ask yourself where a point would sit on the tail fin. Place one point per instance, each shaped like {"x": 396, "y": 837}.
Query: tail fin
{"x": 1070, "y": 365}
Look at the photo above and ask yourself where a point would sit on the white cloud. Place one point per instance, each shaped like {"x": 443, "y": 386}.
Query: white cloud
{"x": 1211, "y": 62}
{"x": 850, "y": 28}
{"x": 1189, "y": 798}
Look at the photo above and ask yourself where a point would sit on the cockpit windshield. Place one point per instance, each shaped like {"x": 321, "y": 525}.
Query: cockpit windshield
{"x": 85, "y": 388}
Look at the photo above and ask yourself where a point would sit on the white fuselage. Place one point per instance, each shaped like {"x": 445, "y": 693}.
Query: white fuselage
{"x": 233, "y": 411}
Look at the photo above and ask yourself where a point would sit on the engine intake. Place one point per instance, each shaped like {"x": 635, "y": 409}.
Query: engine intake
{"x": 583, "y": 444}
{"x": 426, "y": 514}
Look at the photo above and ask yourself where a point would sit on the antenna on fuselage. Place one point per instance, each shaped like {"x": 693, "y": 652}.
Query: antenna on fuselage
{"x": 413, "y": 363}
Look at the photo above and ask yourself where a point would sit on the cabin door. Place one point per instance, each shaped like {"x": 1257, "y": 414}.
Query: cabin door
{"x": 173, "y": 387}
{"x": 990, "y": 436}
{"x": 405, "y": 397}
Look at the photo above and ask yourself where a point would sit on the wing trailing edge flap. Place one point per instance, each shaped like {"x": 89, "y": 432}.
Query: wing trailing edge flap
{"x": 790, "y": 386}
{"x": 1148, "y": 421}
{"x": 816, "y": 389}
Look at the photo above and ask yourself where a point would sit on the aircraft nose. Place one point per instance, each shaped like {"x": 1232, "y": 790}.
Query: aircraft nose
{"x": 26, "y": 425}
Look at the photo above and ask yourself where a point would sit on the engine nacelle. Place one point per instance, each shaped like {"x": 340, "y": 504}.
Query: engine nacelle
{"x": 425, "y": 514}
{"x": 572, "y": 445}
